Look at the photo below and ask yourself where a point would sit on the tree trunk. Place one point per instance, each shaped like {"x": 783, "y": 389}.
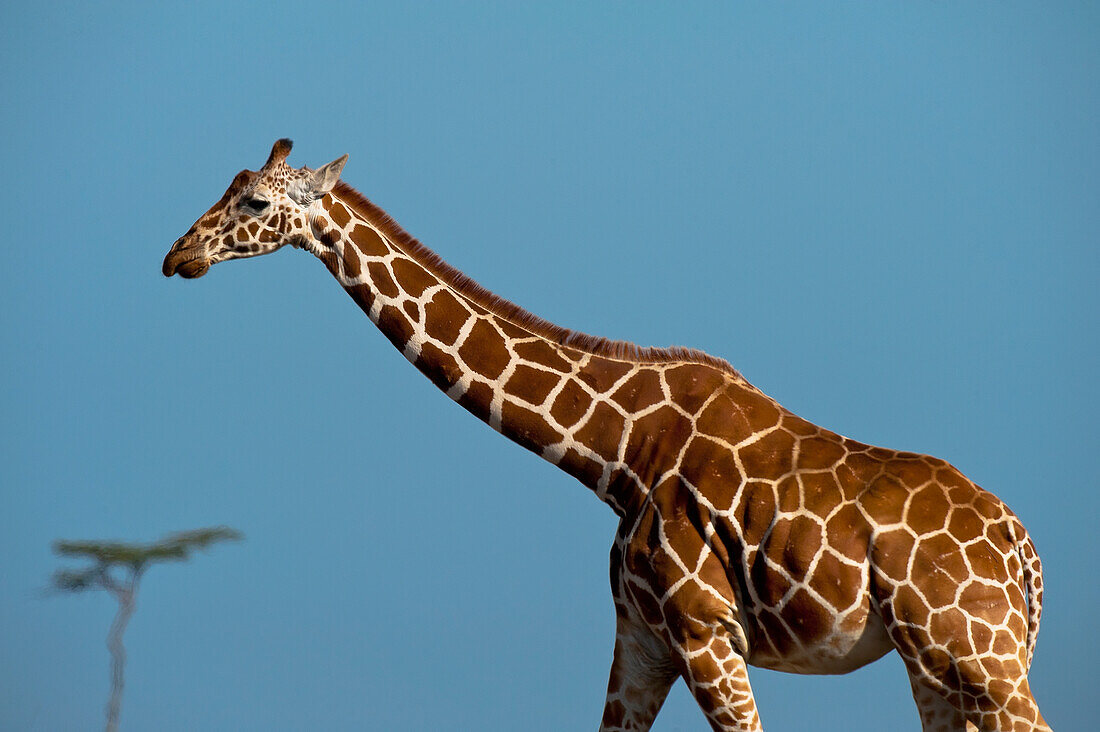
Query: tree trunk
{"x": 125, "y": 598}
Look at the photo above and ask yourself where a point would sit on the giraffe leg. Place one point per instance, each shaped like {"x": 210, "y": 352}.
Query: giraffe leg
{"x": 641, "y": 675}
{"x": 991, "y": 705}
{"x": 718, "y": 678}
{"x": 937, "y": 714}
{"x": 966, "y": 660}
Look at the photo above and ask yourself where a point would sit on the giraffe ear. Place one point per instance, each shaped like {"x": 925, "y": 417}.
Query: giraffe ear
{"x": 325, "y": 177}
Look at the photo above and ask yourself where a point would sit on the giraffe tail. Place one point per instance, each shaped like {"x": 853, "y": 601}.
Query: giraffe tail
{"x": 1033, "y": 584}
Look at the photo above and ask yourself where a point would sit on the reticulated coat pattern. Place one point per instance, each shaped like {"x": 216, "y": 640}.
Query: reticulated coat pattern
{"x": 748, "y": 536}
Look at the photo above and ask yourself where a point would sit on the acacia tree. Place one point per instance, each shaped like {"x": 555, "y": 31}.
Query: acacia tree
{"x": 117, "y": 567}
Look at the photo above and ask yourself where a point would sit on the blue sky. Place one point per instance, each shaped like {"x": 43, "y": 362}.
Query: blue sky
{"x": 884, "y": 214}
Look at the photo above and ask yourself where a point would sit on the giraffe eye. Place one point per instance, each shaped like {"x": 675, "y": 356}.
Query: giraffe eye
{"x": 256, "y": 204}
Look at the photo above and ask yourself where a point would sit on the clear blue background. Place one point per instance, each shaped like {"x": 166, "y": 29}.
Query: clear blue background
{"x": 886, "y": 215}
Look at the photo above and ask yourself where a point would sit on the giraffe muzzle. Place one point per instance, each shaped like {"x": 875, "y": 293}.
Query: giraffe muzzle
{"x": 187, "y": 262}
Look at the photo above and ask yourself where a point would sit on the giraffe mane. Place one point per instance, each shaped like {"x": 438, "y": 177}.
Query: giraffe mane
{"x": 503, "y": 308}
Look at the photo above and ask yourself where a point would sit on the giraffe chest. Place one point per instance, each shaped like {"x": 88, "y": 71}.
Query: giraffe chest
{"x": 778, "y": 616}
{"x": 803, "y": 580}
{"x": 840, "y": 645}
{"x": 795, "y": 599}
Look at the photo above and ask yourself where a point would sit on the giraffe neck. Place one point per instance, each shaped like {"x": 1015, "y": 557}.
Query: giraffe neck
{"x": 588, "y": 405}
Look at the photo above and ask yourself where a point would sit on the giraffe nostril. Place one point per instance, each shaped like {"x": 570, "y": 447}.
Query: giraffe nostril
{"x": 170, "y": 262}
{"x": 181, "y": 258}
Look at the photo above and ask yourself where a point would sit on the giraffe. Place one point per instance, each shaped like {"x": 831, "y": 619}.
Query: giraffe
{"x": 747, "y": 536}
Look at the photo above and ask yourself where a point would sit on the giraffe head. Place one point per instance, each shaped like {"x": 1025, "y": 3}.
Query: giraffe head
{"x": 260, "y": 212}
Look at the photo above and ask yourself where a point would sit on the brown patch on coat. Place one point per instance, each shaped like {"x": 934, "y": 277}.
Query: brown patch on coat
{"x": 839, "y": 584}
{"x": 884, "y": 500}
{"x": 444, "y": 318}
{"x": 820, "y": 453}
{"x": 395, "y": 326}
{"x": 484, "y": 350}
{"x": 477, "y": 399}
{"x": 530, "y": 384}
{"x": 847, "y": 532}
{"x": 820, "y": 493}
{"x": 368, "y": 241}
{"x": 807, "y": 618}
{"x": 351, "y": 262}
{"x": 526, "y": 427}
{"x": 692, "y": 385}
{"x": 571, "y": 403}
{"x": 892, "y": 550}
{"x": 928, "y": 510}
{"x": 641, "y": 390}
{"x": 439, "y": 366}
{"x": 380, "y": 278}
{"x": 712, "y": 470}
{"x": 542, "y": 353}
{"x": 602, "y": 373}
{"x": 769, "y": 458}
{"x": 411, "y": 277}
{"x": 756, "y": 510}
{"x": 603, "y": 431}
{"x": 339, "y": 214}
{"x": 582, "y": 467}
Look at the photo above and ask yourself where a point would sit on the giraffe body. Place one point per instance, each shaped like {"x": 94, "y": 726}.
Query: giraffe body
{"x": 747, "y": 535}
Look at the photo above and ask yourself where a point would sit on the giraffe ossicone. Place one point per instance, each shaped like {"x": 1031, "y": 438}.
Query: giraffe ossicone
{"x": 748, "y": 536}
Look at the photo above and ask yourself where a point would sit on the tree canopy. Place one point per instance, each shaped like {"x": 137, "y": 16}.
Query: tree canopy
{"x": 129, "y": 559}
{"x": 135, "y": 556}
